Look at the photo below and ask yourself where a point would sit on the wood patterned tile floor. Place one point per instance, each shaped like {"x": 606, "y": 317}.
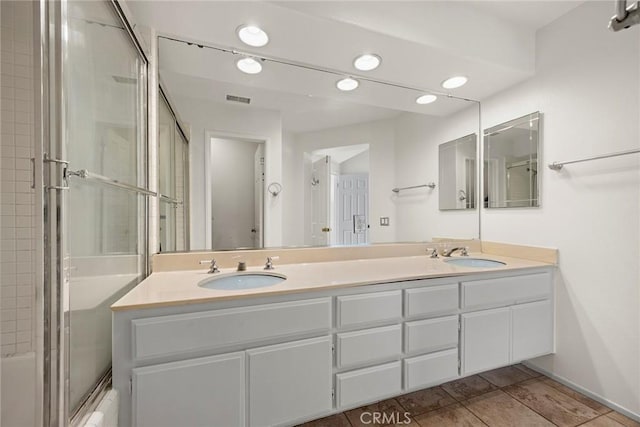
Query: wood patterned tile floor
{"x": 514, "y": 396}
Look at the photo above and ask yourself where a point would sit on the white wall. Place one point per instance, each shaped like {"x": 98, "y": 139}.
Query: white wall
{"x": 416, "y": 153}
{"x": 356, "y": 164}
{"x": 380, "y": 137}
{"x": 587, "y": 88}
{"x": 229, "y": 120}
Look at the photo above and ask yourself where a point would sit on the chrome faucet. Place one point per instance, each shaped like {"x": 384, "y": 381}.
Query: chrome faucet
{"x": 213, "y": 266}
{"x": 269, "y": 264}
{"x": 463, "y": 251}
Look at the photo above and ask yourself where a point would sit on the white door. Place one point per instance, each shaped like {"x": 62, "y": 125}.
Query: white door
{"x": 290, "y": 381}
{"x": 208, "y": 391}
{"x": 486, "y": 340}
{"x": 353, "y": 209}
{"x": 259, "y": 197}
{"x": 321, "y": 179}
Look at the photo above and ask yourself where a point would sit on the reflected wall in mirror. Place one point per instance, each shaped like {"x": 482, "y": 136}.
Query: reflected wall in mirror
{"x": 457, "y": 173}
{"x": 511, "y": 158}
{"x": 337, "y": 154}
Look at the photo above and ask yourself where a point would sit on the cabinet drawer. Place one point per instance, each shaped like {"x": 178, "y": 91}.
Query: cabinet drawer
{"x": 220, "y": 328}
{"x": 370, "y": 345}
{"x": 369, "y": 308}
{"x": 368, "y": 385}
{"x": 433, "y": 300}
{"x": 431, "y": 369}
{"x": 424, "y": 336}
{"x": 505, "y": 290}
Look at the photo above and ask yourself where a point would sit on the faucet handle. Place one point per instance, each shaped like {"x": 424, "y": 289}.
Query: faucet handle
{"x": 464, "y": 251}
{"x": 433, "y": 252}
{"x": 213, "y": 266}
{"x": 269, "y": 263}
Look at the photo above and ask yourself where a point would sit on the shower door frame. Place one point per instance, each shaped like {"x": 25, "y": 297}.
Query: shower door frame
{"x": 53, "y": 305}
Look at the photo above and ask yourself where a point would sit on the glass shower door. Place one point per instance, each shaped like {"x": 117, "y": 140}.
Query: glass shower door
{"x": 104, "y": 132}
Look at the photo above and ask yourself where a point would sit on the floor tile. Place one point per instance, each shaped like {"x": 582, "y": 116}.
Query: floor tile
{"x": 508, "y": 375}
{"x": 552, "y": 404}
{"x": 602, "y": 421}
{"x": 454, "y": 415}
{"x": 498, "y": 409}
{"x": 337, "y": 420}
{"x": 466, "y": 388}
{"x": 596, "y": 406}
{"x": 534, "y": 374}
{"x": 391, "y": 412}
{"x": 422, "y": 401}
{"x": 625, "y": 421}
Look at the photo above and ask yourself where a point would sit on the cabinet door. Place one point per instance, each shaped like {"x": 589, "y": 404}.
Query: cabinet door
{"x": 486, "y": 339}
{"x": 208, "y": 391}
{"x": 290, "y": 381}
{"x": 532, "y": 326}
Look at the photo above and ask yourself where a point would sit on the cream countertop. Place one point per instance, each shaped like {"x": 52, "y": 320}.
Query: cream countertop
{"x": 181, "y": 287}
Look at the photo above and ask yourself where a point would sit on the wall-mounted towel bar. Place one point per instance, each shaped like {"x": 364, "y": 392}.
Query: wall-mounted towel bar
{"x": 171, "y": 200}
{"x": 431, "y": 185}
{"x": 556, "y": 166}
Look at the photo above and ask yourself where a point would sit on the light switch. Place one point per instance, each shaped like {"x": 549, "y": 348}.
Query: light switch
{"x": 384, "y": 221}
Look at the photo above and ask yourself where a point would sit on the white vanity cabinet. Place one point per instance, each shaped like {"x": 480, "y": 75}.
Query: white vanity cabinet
{"x": 283, "y": 360}
{"x": 515, "y": 330}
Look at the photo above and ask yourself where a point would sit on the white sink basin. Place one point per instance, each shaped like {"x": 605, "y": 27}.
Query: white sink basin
{"x": 239, "y": 281}
{"x": 474, "y": 262}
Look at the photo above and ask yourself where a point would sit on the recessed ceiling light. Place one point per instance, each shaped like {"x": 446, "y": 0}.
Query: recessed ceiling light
{"x": 426, "y": 99}
{"x": 454, "y": 82}
{"x": 347, "y": 84}
{"x": 252, "y": 35}
{"x": 367, "y": 62}
{"x": 249, "y": 65}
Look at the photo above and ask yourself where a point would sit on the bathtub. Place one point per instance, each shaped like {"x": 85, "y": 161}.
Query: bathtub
{"x": 18, "y": 391}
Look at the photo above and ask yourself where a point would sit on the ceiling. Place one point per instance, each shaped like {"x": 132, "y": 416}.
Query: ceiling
{"x": 421, "y": 43}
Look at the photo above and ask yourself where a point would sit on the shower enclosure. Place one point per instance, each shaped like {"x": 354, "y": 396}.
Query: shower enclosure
{"x": 96, "y": 194}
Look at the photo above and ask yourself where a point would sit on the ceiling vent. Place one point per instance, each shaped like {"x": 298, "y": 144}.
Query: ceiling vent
{"x": 240, "y": 99}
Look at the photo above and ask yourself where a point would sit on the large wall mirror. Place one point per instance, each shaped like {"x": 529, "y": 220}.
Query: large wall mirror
{"x": 284, "y": 158}
{"x": 511, "y": 158}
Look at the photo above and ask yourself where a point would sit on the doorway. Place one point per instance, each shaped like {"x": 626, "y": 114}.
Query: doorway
{"x": 237, "y": 192}
{"x": 337, "y": 196}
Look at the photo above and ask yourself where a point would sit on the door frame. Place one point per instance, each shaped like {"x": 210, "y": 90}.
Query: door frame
{"x": 208, "y": 173}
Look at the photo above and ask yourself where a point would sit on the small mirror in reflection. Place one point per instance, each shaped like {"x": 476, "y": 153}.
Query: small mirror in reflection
{"x": 511, "y": 158}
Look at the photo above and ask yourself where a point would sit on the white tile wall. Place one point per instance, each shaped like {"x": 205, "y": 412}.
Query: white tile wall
{"x": 17, "y": 220}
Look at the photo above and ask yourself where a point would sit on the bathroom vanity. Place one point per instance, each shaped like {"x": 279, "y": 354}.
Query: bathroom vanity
{"x": 288, "y": 354}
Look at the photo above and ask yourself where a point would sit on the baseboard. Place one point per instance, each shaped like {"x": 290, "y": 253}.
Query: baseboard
{"x": 576, "y": 387}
